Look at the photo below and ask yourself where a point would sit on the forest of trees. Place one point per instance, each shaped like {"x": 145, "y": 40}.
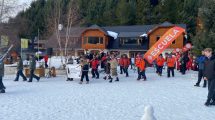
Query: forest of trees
{"x": 43, "y": 14}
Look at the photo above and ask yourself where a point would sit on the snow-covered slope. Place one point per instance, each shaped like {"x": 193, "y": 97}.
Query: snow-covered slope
{"x": 55, "y": 99}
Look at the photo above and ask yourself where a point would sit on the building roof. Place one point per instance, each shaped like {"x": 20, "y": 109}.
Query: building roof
{"x": 74, "y": 31}
{"x": 137, "y": 30}
{"x": 123, "y": 31}
{"x": 96, "y": 27}
{"x": 166, "y": 24}
{"x": 130, "y": 31}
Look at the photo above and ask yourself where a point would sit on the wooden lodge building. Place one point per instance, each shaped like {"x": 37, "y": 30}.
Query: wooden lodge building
{"x": 124, "y": 39}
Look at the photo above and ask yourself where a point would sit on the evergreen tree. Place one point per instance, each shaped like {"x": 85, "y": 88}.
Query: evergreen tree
{"x": 125, "y": 13}
{"x": 206, "y": 36}
{"x": 188, "y": 15}
{"x": 143, "y": 12}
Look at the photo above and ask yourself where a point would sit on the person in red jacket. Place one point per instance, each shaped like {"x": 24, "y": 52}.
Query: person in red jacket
{"x": 142, "y": 67}
{"x": 94, "y": 65}
{"x": 125, "y": 64}
{"x": 190, "y": 62}
{"x": 160, "y": 64}
{"x": 121, "y": 64}
{"x": 171, "y": 65}
{"x": 46, "y": 57}
{"x": 103, "y": 61}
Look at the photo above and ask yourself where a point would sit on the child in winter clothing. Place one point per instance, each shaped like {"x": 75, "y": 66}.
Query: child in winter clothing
{"x": 121, "y": 64}
{"x": 85, "y": 69}
{"x": 160, "y": 64}
{"x": 94, "y": 65}
{"x": 103, "y": 60}
{"x": 142, "y": 67}
{"x": 107, "y": 71}
{"x": 137, "y": 62}
{"x": 170, "y": 65}
{"x": 125, "y": 64}
{"x": 113, "y": 66}
{"x": 184, "y": 60}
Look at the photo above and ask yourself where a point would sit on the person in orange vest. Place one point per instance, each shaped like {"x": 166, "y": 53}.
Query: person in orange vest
{"x": 137, "y": 61}
{"x": 142, "y": 67}
{"x": 121, "y": 64}
{"x": 170, "y": 65}
{"x": 125, "y": 64}
{"x": 160, "y": 64}
{"x": 94, "y": 65}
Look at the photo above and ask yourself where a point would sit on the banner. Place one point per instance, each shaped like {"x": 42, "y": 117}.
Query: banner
{"x": 24, "y": 43}
{"x": 163, "y": 43}
{"x": 4, "y": 40}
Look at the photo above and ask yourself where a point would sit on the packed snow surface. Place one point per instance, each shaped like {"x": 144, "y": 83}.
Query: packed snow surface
{"x": 56, "y": 99}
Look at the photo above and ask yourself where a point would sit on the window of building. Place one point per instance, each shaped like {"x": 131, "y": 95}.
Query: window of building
{"x": 101, "y": 40}
{"x": 158, "y": 37}
{"x": 129, "y": 41}
{"x": 95, "y": 40}
{"x": 173, "y": 42}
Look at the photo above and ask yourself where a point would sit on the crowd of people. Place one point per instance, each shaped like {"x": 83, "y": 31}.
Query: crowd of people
{"x": 204, "y": 64}
{"x": 32, "y": 67}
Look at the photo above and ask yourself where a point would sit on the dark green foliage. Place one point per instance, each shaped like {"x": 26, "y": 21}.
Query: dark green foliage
{"x": 206, "y": 36}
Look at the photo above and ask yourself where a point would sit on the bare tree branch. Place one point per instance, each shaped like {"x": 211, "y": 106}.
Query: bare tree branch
{"x": 9, "y": 8}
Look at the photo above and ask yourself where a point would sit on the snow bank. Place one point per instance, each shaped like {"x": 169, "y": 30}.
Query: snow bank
{"x": 148, "y": 113}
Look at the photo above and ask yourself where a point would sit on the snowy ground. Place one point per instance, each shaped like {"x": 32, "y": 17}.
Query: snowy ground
{"x": 55, "y": 99}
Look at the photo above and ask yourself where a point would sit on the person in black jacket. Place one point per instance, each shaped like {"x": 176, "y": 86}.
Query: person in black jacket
{"x": 183, "y": 62}
{"x": 2, "y": 87}
{"x": 20, "y": 69}
{"x": 85, "y": 69}
{"x": 209, "y": 75}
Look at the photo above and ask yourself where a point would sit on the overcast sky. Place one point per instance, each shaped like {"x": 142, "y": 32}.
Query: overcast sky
{"x": 24, "y": 3}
